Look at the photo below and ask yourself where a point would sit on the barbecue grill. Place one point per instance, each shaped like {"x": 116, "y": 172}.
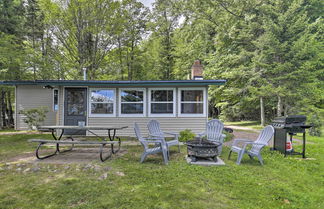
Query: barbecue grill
{"x": 290, "y": 125}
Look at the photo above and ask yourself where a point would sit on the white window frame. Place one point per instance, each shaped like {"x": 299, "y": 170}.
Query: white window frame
{"x": 164, "y": 114}
{"x": 58, "y": 100}
{"x": 120, "y": 102}
{"x": 94, "y": 115}
{"x": 204, "y": 102}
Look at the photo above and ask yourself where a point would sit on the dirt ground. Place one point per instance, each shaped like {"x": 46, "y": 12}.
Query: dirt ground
{"x": 79, "y": 155}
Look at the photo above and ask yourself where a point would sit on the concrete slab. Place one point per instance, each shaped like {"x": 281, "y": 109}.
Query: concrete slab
{"x": 203, "y": 162}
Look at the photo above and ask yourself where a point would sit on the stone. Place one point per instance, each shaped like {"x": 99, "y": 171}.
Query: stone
{"x": 103, "y": 176}
{"x": 97, "y": 168}
{"x": 26, "y": 170}
{"x": 286, "y": 201}
{"x": 66, "y": 167}
{"x": 18, "y": 169}
{"x": 87, "y": 167}
{"x": 206, "y": 162}
{"x": 119, "y": 173}
{"x": 35, "y": 169}
{"x": 107, "y": 168}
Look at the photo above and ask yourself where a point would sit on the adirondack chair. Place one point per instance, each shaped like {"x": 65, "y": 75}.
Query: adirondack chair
{"x": 256, "y": 146}
{"x": 160, "y": 145}
{"x": 155, "y": 131}
{"x": 214, "y": 129}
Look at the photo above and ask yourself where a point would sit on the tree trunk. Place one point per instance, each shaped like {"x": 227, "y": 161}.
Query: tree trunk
{"x": 286, "y": 109}
{"x": 262, "y": 112}
{"x": 279, "y": 107}
{"x": 120, "y": 58}
{"x": 3, "y": 108}
{"x": 1, "y": 122}
{"x": 10, "y": 112}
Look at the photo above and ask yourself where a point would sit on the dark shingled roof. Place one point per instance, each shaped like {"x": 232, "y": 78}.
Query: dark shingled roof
{"x": 116, "y": 83}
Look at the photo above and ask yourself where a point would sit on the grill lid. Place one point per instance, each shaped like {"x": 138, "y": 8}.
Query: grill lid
{"x": 291, "y": 119}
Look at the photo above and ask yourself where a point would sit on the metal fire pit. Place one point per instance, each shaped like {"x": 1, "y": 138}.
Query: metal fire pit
{"x": 201, "y": 148}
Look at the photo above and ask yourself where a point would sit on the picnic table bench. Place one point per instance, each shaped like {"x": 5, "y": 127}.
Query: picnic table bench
{"x": 101, "y": 143}
{"x": 57, "y": 140}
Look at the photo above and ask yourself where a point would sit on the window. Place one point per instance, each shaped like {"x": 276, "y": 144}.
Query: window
{"x": 102, "y": 102}
{"x": 132, "y": 102}
{"x": 55, "y": 100}
{"x": 162, "y": 102}
{"x": 192, "y": 102}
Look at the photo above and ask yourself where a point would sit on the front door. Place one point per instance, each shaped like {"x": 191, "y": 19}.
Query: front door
{"x": 75, "y": 108}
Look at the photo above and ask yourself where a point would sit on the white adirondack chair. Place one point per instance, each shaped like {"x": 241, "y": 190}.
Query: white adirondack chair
{"x": 160, "y": 145}
{"x": 256, "y": 146}
{"x": 155, "y": 131}
{"x": 214, "y": 129}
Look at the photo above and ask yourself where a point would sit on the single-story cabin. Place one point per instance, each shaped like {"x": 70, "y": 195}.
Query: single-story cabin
{"x": 176, "y": 104}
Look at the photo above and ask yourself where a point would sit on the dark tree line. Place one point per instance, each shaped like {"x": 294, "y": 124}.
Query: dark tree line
{"x": 271, "y": 52}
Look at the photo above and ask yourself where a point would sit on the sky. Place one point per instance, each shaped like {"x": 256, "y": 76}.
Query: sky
{"x": 147, "y": 3}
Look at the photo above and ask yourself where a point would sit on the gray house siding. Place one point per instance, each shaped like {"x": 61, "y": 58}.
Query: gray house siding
{"x": 176, "y": 124}
{"x": 36, "y": 96}
{"x": 28, "y": 97}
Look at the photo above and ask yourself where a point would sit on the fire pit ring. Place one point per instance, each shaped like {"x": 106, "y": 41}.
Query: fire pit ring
{"x": 201, "y": 148}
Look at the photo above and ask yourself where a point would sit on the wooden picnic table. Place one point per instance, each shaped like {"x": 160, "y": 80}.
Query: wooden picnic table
{"x": 111, "y": 135}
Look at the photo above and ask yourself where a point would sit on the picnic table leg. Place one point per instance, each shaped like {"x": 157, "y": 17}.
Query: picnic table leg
{"x": 58, "y": 139}
{"x": 72, "y": 146}
{"x": 37, "y": 150}
{"x": 112, "y": 138}
{"x": 102, "y": 158}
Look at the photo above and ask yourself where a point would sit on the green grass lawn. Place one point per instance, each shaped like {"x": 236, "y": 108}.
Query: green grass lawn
{"x": 281, "y": 183}
{"x": 8, "y": 130}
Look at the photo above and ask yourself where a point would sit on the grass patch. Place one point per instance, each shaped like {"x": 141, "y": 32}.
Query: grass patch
{"x": 8, "y": 130}
{"x": 288, "y": 182}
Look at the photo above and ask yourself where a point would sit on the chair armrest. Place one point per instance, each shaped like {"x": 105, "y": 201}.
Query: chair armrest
{"x": 202, "y": 134}
{"x": 255, "y": 143}
{"x": 155, "y": 136}
{"x": 170, "y": 133}
{"x": 240, "y": 140}
{"x": 252, "y": 143}
{"x": 153, "y": 141}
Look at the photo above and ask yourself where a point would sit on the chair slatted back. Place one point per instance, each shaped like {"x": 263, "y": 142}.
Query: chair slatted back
{"x": 139, "y": 135}
{"x": 263, "y": 138}
{"x": 214, "y": 130}
{"x": 154, "y": 128}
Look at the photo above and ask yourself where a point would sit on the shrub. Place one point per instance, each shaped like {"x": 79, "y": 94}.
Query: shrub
{"x": 186, "y": 135}
{"x": 34, "y": 116}
{"x": 316, "y": 123}
{"x": 314, "y": 117}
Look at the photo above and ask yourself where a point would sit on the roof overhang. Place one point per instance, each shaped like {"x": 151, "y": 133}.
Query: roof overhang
{"x": 115, "y": 83}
